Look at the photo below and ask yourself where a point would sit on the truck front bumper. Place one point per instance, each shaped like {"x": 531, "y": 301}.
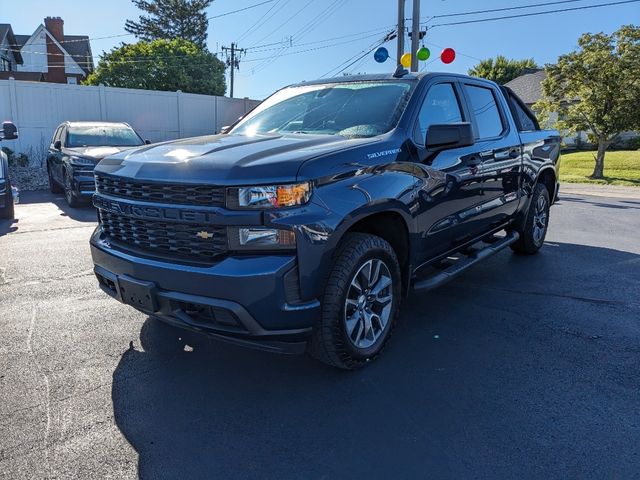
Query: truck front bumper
{"x": 243, "y": 300}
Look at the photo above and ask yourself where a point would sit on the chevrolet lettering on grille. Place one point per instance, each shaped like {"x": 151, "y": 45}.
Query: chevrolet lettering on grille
{"x": 155, "y": 213}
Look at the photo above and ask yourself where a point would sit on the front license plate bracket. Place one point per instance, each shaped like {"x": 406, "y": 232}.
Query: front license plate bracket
{"x": 139, "y": 294}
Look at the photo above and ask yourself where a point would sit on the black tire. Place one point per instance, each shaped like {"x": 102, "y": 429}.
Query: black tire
{"x": 70, "y": 196}
{"x": 331, "y": 342}
{"x": 54, "y": 187}
{"x": 8, "y": 211}
{"x": 536, "y": 224}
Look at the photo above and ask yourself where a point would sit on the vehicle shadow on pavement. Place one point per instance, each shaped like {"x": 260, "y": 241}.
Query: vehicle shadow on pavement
{"x": 85, "y": 213}
{"x": 8, "y": 226}
{"x": 490, "y": 376}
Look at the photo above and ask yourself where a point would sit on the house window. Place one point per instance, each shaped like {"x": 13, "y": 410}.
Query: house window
{"x": 5, "y": 65}
{"x": 72, "y": 80}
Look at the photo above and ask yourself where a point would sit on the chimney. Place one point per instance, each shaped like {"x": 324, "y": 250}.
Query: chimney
{"x": 55, "y": 25}
{"x": 55, "y": 59}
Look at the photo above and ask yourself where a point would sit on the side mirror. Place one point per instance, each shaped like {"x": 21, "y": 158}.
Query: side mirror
{"x": 147, "y": 142}
{"x": 57, "y": 145}
{"x": 9, "y": 131}
{"x": 224, "y": 130}
{"x": 449, "y": 135}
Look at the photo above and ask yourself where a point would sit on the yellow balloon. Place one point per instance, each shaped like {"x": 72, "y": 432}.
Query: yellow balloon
{"x": 405, "y": 60}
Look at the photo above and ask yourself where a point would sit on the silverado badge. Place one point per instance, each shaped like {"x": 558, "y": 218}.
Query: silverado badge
{"x": 204, "y": 235}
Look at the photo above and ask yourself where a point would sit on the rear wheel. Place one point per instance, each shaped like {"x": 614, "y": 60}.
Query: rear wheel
{"x": 69, "y": 194}
{"x": 534, "y": 231}
{"x": 360, "y": 303}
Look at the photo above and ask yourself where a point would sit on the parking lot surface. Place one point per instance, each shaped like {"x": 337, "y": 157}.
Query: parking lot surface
{"x": 524, "y": 367}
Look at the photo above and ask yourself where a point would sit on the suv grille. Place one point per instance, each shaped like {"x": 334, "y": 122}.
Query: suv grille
{"x": 183, "y": 194}
{"x": 162, "y": 238}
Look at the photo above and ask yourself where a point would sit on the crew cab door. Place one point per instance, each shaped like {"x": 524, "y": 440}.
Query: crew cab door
{"x": 446, "y": 214}
{"x": 499, "y": 153}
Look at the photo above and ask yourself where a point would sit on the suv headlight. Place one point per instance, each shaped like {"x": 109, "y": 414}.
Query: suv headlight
{"x": 270, "y": 196}
{"x": 81, "y": 162}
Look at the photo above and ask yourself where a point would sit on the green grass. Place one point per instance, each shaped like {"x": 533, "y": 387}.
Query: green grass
{"x": 620, "y": 168}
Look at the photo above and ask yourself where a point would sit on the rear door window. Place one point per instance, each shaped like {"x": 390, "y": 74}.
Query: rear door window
{"x": 440, "y": 106}
{"x": 483, "y": 104}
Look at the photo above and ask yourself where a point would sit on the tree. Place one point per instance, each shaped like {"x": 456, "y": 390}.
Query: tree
{"x": 169, "y": 19}
{"x": 502, "y": 69}
{"x": 168, "y": 65}
{"x": 597, "y": 88}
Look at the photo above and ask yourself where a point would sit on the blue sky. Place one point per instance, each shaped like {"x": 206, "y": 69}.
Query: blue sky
{"x": 312, "y": 23}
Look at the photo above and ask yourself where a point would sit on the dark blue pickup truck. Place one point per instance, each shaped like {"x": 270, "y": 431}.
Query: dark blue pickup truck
{"x": 305, "y": 226}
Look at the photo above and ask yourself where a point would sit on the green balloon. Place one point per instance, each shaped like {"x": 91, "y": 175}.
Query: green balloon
{"x": 423, "y": 53}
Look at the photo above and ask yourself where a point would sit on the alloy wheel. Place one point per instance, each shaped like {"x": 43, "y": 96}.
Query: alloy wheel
{"x": 540, "y": 220}
{"x": 368, "y": 304}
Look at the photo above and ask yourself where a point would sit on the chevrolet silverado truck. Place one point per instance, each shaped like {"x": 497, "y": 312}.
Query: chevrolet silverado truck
{"x": 304, "y": 227}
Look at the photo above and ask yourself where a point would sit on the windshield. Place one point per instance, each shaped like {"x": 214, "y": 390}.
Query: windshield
{"x": 351, "y": 109}
{"x": 102, "y": 136}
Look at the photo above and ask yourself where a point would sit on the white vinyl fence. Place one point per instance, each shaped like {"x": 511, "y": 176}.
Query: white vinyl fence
{"x": 38, "y": 108}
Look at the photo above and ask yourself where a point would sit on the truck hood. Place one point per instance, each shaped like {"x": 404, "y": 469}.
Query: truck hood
{"x": 95, "y": 153}
{"x": 227, "y": 159}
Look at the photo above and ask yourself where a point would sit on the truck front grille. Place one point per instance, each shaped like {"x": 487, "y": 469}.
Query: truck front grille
{"x": 178, "y": 240}
{"x": 182, "y": 194}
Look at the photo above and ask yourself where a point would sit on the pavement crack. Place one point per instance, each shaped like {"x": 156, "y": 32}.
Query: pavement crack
{"x": 47, "y": 400}
{"x": 18, "y": 232}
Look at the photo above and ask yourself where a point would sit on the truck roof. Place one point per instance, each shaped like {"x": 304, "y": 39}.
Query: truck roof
{"x": 382, "y": 76}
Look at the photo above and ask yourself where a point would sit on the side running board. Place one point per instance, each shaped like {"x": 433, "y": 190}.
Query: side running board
{"x": 461, "y": 265}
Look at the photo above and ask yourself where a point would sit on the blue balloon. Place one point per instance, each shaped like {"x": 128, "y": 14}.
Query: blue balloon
{"x": 381, "y": 55}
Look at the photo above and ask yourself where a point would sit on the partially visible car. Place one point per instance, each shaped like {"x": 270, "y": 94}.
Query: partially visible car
{"x": 7, "y": 195}
{"x": 76, "y": 148}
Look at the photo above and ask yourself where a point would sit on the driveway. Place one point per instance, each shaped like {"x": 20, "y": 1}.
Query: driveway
{"x": 523, "y": 367}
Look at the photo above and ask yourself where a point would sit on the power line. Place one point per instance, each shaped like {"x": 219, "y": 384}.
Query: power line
{"x": 286, "y": 21}
{"x": 258, "y": 22}
{"x": 532, "y": 14}
{"x": 492, "y": 10}
{"x": 241, "y": 9}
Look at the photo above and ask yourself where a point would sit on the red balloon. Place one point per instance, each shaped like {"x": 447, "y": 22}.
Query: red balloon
{"x": 448, "y": 55}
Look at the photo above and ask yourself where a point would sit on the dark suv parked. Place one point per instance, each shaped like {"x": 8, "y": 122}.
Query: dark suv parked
{"x": 75, "y": 150}
{"x": 306, "y": 225}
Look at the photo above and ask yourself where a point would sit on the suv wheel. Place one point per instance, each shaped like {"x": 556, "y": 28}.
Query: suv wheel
{"x": 69, "y": 194}
{"x": 360, "y": 304}
{"x": 533, "y": 233}
{"x": 53, "y": 185}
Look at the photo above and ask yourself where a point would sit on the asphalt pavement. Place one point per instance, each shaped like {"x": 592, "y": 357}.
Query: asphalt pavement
{"x": 523, "y": 367}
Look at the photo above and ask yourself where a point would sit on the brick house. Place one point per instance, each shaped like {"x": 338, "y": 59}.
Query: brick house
{"x": 47, "y": 55}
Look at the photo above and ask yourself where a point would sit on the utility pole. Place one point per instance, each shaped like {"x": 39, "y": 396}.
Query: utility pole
{"x": 415, "y": 35}
{"x": 401, "y": 6}
{"x": 233, "y": 62}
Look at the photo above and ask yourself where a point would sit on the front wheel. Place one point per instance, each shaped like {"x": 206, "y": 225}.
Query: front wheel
{"x": 72, "y": 199}
{"x": 534, "y": 230}
{"x": 360, "y": 303}
{"x": 8, "y": 210}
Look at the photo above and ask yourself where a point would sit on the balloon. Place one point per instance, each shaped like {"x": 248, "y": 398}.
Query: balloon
{"x": 423, "y": 54}
{"x": 381, "y": 55}
{"x": 405, "y": 60}
{"x": 448, "y": 55}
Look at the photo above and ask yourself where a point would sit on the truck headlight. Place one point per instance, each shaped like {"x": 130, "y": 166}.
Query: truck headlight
{"x": 81, "y": 162}
{"x": 260, "y": 238}
{"x": 270, "y": 196}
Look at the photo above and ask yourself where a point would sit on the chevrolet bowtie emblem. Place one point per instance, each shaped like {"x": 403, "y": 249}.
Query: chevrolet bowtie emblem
{"x": 204, "y": 235}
